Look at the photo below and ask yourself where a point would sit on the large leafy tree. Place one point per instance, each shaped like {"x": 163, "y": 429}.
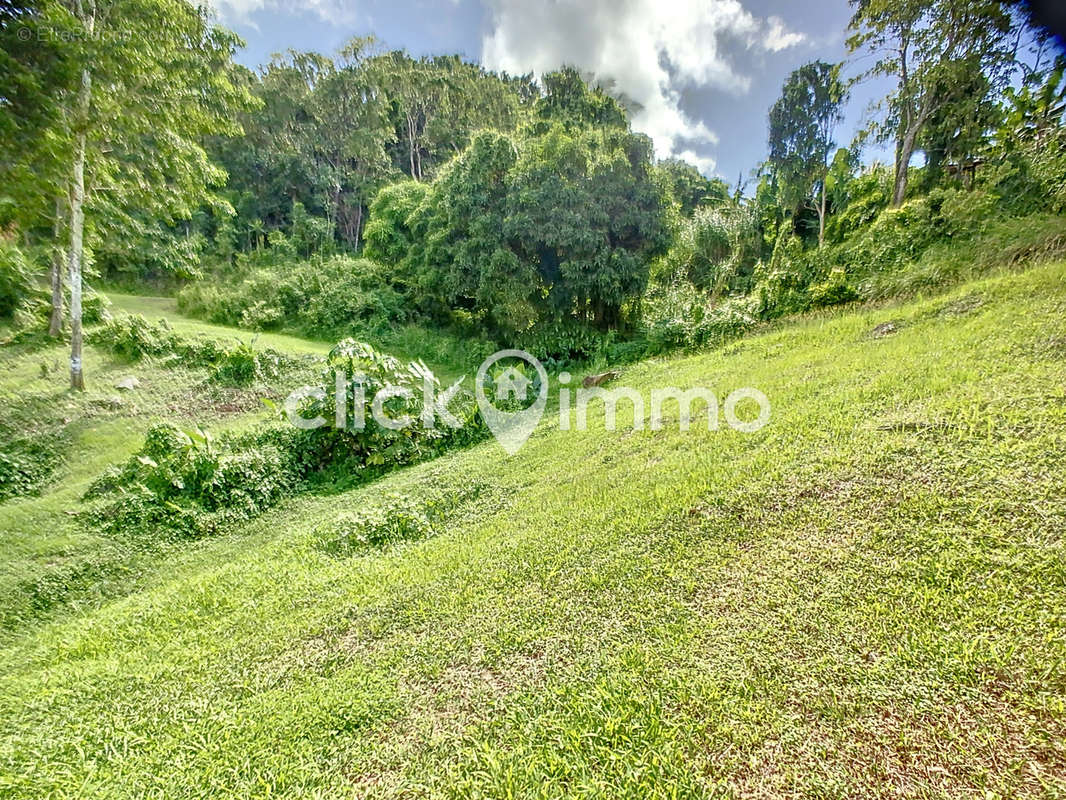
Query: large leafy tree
{"x": 38, "y": 65}
{"x": 351, "y": 131}
{"x": 801, "y": 128}
{"x": 689, "y": 188}
{"x": 154, "y": 79}
{"x": 932, "y": 48}
{"x": 559, "y": 222}
{"x": 585, "y": 209}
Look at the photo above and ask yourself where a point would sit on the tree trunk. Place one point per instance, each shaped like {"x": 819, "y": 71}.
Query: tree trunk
{"x": 906, "y": 150}
{"x": 821, "y": 216}
{"x": 77, "y": 230}
{"x": 55, "y": 325}
{"x": 358, "y": 225}
{"x": 411, "y": 144}
{"x": 77, "y": 217}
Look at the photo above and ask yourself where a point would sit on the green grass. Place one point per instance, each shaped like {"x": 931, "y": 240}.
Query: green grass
{"x": 155, "y": 308}
{"x": 867, "y": 598}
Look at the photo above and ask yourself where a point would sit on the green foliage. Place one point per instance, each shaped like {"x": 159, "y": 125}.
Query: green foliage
{"x": 678, "y": 315}
{"x": 801, "y": 126}
{"x": 188, "y": 483}
{"x": 16, "y": 278}
{"x": 395, "y": 518}
{"x": 242, "y": 365}
{"x": 586, "y": 213}
{"x": 857, "y": 200}
{"x": 1016, "y": 243}
{"x": 131, "y": 337}
{"x": 322, "y": 297}
{"x": 363, "y": 447}
{"x": 27, "y": 461}
{"x": 895, "y": 238}
{"x": 558, "y": 225}
{"x": 388, "y": 237}
{"x": 715, "y": 250}
{"x": 833, "y": 291}
{"x": 689, "y": 188}
{"x": 461, "y": 254}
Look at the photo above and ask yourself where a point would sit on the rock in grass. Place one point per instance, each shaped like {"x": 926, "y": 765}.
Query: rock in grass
{"x": 884, "y": 329}
{"x": 128, "y": 384}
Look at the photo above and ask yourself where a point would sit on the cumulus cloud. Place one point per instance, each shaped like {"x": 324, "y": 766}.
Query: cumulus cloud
{"x": 647, "y": 51}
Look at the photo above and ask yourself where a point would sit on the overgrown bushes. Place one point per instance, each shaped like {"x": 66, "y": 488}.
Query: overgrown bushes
{"x": 16, "y": 278}
{"x": 132, "y": 338}
{"x": 322, "y": 297}
{"x": 27, "y": 462}
{"x": 187, "y": 483}
{"x": 394, "y": 518}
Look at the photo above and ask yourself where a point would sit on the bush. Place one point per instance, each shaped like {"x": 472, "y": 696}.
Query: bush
{"x": 715, "y": 250}
{"x": 363, "y": 447}
{"x": 321, "y": 297}
{"x": 679, "y": 315}
{"x": 243, "y": 365}
{"x": 834, "y": 291}
{"x": 132, "y": 338}
{"x": 27, "y": 462}
{"x": 188, "y": 482}
{"x": 396, "y": 519}
{"x": 393, "y": 519}
{"x": 16, "y": 278}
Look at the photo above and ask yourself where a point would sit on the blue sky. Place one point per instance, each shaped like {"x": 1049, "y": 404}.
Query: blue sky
{"x": 703, "y": 72}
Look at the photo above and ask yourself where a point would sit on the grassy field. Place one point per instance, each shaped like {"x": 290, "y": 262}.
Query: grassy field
{"x": 866, "y": 598}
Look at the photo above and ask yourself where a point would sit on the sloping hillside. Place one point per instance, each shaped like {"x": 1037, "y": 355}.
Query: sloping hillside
{"x": 865, "y": 598}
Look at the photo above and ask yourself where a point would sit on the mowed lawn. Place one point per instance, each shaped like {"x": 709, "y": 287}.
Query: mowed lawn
{"x": 866, "y": 598}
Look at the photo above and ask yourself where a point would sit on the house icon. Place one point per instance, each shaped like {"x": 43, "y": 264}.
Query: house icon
{"x": 511, "y": 384}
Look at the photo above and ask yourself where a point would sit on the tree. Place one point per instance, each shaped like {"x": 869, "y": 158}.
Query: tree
{"x": 932, "y": 48}
{"x": 351, "y": 131}
{"x": 689, "y": 188}
{"x": 38, "y": 65}
{"x": 802, "y": 122}
{"x": 155, "y": 79}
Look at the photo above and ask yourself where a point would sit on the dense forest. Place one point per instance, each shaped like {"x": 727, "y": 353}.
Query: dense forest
{"x": 363, "y": 191}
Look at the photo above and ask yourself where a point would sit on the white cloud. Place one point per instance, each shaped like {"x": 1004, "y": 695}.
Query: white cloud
{"x": 647, "y": 50}
{"x": 780, "y": 38}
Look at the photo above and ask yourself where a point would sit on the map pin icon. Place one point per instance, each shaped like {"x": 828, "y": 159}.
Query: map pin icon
{"x": 511, "y": 428}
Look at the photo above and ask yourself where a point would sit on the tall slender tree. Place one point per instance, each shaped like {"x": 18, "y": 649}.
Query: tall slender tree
{"x": 802, "y": 122}
{"x": 155, "y": 79}
{"x": 931, "y": 48}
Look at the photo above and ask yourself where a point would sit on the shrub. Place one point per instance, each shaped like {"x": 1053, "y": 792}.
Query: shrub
{"x": 393, "y": 519}
{"x": 321, "y": 297}
{"x": 16, "y": 278}
{"x": 679, "y": 315}
{"x": 185, "y": 481}
{"x": 897, "y": 237}
{"x": 715, "y": 249}
{"x": 362, "y": 447}
{"x": 834, "y": 291}
{"x": 132, "y": 337}
{"x": 243, "y": 365}
{"x": 27, "y": 462}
